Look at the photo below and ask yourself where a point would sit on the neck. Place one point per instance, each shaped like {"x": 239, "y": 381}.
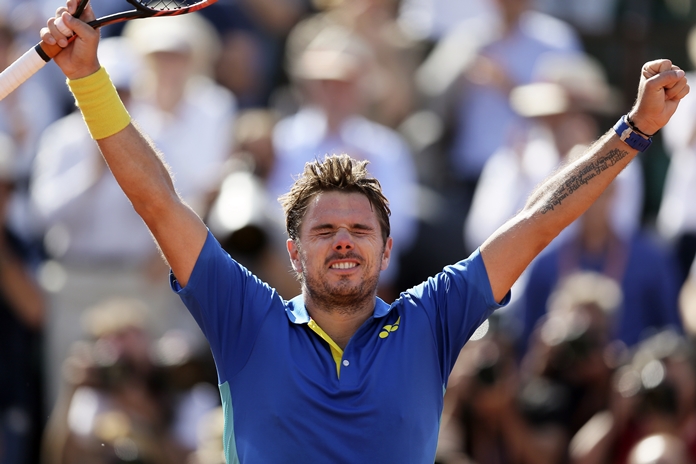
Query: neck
{"x": 339, "y": 322}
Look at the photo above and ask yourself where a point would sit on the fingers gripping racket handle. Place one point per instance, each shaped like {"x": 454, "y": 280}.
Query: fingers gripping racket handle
{"x": 25, "y": 67}
{"x": 29, "y": 64}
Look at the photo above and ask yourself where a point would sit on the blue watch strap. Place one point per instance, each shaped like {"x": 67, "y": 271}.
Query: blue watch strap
{"x": 630, "y": 137}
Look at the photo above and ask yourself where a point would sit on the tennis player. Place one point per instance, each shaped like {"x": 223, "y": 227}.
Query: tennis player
{"x": 337, "y": 375}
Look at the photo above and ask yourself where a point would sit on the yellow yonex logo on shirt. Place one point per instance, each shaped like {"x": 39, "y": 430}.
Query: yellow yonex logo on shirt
{"x": 389, "y": 328}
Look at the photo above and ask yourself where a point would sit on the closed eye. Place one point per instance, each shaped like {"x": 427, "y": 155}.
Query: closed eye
{"x": 326, "y": 230}
{"x": 362, "y": 229}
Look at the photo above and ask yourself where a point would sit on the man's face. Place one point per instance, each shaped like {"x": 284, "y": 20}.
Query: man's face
{"x": 340, "y": 251}
{"x": 172, "y": 67}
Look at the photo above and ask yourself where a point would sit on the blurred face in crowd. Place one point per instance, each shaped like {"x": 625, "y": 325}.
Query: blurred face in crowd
{"x": 172, "y": 66}
{"x": 512, "y": 9}
{"x": 263, "y": 153}
{"x": 171, "y": 70}
{"x": 340, "y": 252}
{"x": 336, "y": 97}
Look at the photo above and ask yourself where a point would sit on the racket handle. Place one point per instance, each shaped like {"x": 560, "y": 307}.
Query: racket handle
{"x": 26, "y": 66}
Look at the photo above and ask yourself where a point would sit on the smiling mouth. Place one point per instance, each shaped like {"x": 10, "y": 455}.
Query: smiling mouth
{"x": 344, "y": 265}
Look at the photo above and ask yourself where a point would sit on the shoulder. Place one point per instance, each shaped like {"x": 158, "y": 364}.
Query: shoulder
{"x": 215, "y": 266}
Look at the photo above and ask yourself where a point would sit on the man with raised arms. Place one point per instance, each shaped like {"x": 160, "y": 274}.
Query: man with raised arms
{"x": 336, "y": 374}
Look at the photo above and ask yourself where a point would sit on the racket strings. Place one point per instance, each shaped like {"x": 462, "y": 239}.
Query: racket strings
{"x": 167, "y": 5}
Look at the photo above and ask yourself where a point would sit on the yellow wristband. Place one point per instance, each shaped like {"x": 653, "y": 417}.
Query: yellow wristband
{"x": 102, "y": 109}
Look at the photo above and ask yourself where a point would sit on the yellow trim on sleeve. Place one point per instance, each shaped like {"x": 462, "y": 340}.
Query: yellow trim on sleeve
{"x": 102, "y": 108}
{"x": 336, "y": 351}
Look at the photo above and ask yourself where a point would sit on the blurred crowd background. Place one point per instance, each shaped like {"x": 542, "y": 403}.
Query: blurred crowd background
{"x": 461, "y": 107}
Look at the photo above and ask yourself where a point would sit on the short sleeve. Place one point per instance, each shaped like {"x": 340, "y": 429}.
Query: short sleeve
{"x": 229, "y": 304}
{"x": 456, "y": 302}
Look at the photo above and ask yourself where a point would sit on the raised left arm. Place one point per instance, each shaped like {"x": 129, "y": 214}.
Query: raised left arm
{"x": 567, "y": 194}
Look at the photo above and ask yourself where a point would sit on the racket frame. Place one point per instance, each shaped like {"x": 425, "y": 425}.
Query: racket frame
{"x": 141, "y": 11}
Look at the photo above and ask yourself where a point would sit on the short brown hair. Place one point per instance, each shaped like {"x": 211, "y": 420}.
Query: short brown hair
{"x": 335, "y": 173}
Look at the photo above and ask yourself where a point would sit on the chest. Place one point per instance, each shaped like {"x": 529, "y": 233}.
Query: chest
{"x": 389, "y": 375}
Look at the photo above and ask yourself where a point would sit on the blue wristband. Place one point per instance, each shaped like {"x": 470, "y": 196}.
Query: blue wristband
{"x": 631, "y": 137}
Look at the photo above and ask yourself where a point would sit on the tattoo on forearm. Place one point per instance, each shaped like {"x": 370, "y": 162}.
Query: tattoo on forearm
{"x": 581, "y": 176}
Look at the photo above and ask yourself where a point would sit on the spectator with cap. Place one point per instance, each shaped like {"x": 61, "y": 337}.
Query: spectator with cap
{"x": 483, "y": 116}
{"x": 330, "y": 72}
{"x": 559, "y": 110}
{"x": 395, "y": 55}
{"x": 188, "y": 116}
{"x": 569, "y": 91}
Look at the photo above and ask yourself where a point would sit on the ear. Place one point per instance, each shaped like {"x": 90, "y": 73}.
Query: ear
{"x": 294, "y": 253}
{"x": 386, "y": 254}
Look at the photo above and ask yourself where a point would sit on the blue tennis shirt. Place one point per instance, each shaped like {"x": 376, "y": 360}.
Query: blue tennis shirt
{"x": 291, "y": 395}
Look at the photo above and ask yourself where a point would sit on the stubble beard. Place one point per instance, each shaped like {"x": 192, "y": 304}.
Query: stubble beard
{"x": 343, "y": 297}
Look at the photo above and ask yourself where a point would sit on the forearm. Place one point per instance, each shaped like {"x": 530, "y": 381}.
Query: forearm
{"x": 145, "y": 179}
{"x": 139, "y": 170}
{"x": 569, "y": 193}
{"x": 556, "y": 203}
{"x": 132, "y": 159}
{"x": 566, "y": 195}
{"x": 141, "y": 173}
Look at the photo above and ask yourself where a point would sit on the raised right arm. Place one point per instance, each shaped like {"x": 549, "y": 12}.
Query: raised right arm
{"x": 131, "y": 157}
{"x": 146, "y": 181}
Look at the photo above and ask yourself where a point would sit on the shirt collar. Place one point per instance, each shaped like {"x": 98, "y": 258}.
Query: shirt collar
{"x": 297, "y": 313}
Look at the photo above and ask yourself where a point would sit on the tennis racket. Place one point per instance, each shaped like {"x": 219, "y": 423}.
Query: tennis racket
{"x": 36, "y": 58}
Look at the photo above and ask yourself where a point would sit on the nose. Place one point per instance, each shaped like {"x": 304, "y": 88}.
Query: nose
{"x": 343, "y": 241}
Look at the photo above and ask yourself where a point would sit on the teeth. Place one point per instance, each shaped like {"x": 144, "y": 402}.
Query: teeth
{"x": 343, "y": 265}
